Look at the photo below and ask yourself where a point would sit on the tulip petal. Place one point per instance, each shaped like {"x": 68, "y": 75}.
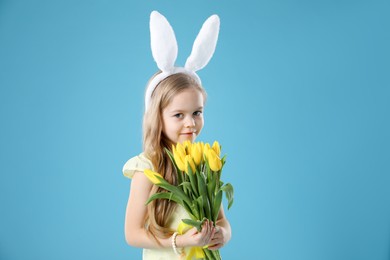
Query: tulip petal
{"x": 214, "y": 161}
{"x": 152, "y": 176}
{"x": 217, "y": 148}
{"x": 189, "y": 165}
{"x": 179, "y": 160}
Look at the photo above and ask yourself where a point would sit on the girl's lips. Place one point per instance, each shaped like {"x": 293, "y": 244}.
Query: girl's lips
{"x": 188, "y": 134}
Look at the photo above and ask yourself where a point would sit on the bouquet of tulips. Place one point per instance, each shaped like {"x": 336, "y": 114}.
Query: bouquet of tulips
{"x": 199, "y": 190}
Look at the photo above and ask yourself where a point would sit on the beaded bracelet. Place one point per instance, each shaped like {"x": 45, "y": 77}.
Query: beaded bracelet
{"x": 174, "y": 246}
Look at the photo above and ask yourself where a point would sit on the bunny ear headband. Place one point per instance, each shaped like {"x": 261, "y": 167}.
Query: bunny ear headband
{"x": 164, "y": 50}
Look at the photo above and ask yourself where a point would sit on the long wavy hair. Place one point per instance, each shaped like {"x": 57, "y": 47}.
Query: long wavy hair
{"x": 154, "y": 142}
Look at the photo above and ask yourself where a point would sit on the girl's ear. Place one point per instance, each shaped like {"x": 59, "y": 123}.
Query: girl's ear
{"x": 163, "y": 42}
{"x": 204, "y": 45}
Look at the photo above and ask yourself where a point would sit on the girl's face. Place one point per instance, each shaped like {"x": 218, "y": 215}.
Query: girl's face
{"x": 183, "y": 117}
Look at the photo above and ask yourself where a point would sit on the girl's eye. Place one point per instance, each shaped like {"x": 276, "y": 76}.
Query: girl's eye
{"x": 197, "y": 113}
{"x": 178, "y": 115}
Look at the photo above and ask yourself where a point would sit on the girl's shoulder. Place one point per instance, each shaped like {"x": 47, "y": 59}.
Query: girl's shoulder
{"x": 137, "y": 163}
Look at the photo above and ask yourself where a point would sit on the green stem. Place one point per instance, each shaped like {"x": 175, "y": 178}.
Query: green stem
{"x": 209, "y": 254}
{"x": 212, "y": 254}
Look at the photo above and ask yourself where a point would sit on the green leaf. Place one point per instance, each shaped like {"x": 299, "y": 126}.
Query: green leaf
{"x": 188, "y": 208}
{"x": 210, "y": 194}
{"x": 229, "y": 193}
{"x": 212, "y": 185}
{"x": 176, "y": 190}
{"x": 217, "y": 205}
{"x": 204, "y": 195}
{"x": 165, "y": 195}
{"x": 201, "y": 184}
{"x": 195, "y": 209}
{"x": 220, "y": 184}
{"x": 185, "y": 184}
{"x": 186, "y": 187}
{"x": 170, "y": 154}
{"x": 207, "y": 207}
{"x": 199, "y": 201}
{"x": 194, "y": 223}
{"x": 223, "y": 160}
{"x": 193, "y": 181}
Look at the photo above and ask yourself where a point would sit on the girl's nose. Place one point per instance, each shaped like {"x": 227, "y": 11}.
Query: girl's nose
{"x": 190, "y": 122}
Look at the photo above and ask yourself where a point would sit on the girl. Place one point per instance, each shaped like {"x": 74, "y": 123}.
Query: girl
{"x": 174, "y": 103}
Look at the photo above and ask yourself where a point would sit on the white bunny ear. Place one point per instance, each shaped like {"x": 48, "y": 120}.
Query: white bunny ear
{"x": 204, "y": 45}
{"x": 163, "y": 42}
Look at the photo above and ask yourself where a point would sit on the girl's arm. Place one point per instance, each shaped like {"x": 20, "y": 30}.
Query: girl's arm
{"x": 135, "y": 232}
{"x": 223, "y": 232}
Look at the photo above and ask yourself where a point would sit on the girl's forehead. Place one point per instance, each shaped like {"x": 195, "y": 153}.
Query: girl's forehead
{"x": 188, "y": 98}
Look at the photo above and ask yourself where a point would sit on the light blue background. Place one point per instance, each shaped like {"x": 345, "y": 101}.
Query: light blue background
{"x": 298, "y": 96}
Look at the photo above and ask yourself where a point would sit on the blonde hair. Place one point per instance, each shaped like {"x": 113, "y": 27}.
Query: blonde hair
{"x": 154, "y": 142}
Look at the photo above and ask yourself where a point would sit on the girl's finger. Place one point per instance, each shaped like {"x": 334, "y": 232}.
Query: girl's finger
{"x": 211, "y": 236}
{"x": 205, "y": 231}
{"x": 215, "y": 238}
{"x": 217, "y": 229}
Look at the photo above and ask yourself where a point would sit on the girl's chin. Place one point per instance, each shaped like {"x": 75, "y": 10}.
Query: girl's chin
{"x": 187, "y": 138}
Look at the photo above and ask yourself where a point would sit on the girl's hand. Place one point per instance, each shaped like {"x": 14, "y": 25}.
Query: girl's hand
{"x": 195, "y": 238}
{"x": 218, "y": 240}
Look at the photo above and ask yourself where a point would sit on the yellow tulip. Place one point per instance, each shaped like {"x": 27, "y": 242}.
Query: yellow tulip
{"x": 196, "y": 251}
{"x": 187, "y": 143}
{"x": 180, "y": 148}
{"x": 217, "y": 148}
{"x": 189, "y": 162}
{"x": 206, "y": 147}
{"x": 179, "y": 159}
{"x": 183, "y": 228}
{"x": 214, "y": 161}
{"x": 196, "y": 153}
{"x": 152, "y": 176}
{"x": 187, "y": 146}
